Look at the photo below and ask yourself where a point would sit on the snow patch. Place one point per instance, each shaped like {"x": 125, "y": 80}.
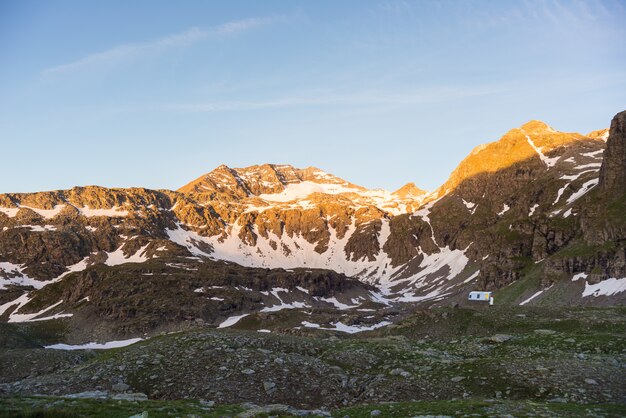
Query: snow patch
{"x": 47, "y": 318}
{"x": 95, "y": 346}
{"x": 46, "y": 213}
{"x": 338, "y": 305}
{"x": 80, "y": 266}
{"x": 117, "y": 257}
{"x": 439, "y": 268}
{"x": 594, "y": 165}
{"x": 13, "y": 274}
{"x": 20, "y": 301}
{"x": 584, "y": 189}
{"x": 231, "y": 321}
{"x": 472, "y": 277}
{"x": 295, "y": 191}
{"x": 15, "y": 317}
{"x": 606, "y": 287}
{"x": 113, "y": 212}
{"x": 576, "y": 176}
{"x": 424, "y": 213}
{"x": 560, "y": 193}
{"x": 593, "y": 154}
{"x": 504, "y": 210}
{"x": 534, "y": 296}
{"x": 350, "y": 329}
{"x": 549, "y": 162}
{"x": 39, "y": 228}
{"x": 276, "y": 308}
{"x": 187, "y": 239}
{"x": 10, "y": 212}
{"x": 468, "y": 205}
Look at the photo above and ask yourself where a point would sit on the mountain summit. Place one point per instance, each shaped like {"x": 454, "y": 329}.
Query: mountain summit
{"x": 261, "y": 179}
{"x": 533, "y": 141}
{"x": 410, "y": 190}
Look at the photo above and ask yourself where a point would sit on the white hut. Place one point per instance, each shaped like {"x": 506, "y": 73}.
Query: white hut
{"x": 480, "y": 296}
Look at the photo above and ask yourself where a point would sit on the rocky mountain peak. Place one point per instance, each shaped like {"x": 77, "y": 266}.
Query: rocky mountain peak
{"x": 257, "y": 180}
{"x": 222, "y": 179}
{"x": 409, "y": 190}
{"x": 613, "y": 169}
{"x": 534, "y": 141}
{"x": 536, "y": 126}
{"x": 544, "y": 138}
{"x": 600, "y": 134}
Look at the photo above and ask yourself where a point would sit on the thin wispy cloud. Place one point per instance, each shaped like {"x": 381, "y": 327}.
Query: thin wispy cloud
{"x": 186, "y": 38}
{"x": 358, "y": 98}
{"x": 381, "y": 98}
{"x": 565, "y": 14}
{"x": 238, "y": 26}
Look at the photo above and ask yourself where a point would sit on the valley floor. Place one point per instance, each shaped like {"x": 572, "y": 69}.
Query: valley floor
{"x": 62, "y": 407}
{"x": 520, "y": 361}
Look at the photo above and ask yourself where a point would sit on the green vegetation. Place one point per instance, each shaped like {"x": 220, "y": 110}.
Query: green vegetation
{"x": 482, "y": 408}
{"x": 502, "y": 229}
{"x": 511, "y": 293}
{"x": 32, "y": 334}
{"x": 490, "y": 361}
{"x": 582, "y": 249}
{"x": 616, "y": 211}
{"x": 53, "y": 407}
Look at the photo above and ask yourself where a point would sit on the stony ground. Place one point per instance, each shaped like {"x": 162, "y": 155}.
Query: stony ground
{"x": 518, "y": 361}
{"x": 105, "y": 408}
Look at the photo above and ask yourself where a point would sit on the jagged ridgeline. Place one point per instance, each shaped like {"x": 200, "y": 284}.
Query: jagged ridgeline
{"x": 537, "y": 217}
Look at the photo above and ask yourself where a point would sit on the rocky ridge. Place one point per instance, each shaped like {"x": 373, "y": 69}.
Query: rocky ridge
{"x": 521, "y": 215}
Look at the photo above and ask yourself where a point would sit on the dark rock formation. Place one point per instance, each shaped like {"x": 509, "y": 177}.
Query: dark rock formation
{"x": 613, "y": 170}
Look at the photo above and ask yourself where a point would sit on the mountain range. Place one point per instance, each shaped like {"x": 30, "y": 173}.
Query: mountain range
{"x": 536, "y": 217}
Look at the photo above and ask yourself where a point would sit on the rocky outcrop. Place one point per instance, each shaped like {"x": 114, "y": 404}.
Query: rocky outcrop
{"x": 138, "y": 298}
{"x": 613, "y": 170}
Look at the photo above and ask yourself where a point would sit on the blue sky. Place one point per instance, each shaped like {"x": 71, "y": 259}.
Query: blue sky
{"x": 156, "y": 93}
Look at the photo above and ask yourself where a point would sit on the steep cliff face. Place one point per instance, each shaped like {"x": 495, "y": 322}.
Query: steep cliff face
{"x": 613, "y": 170}
{"x": 600, "y": 254}
{"x": 526, "y": 208}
